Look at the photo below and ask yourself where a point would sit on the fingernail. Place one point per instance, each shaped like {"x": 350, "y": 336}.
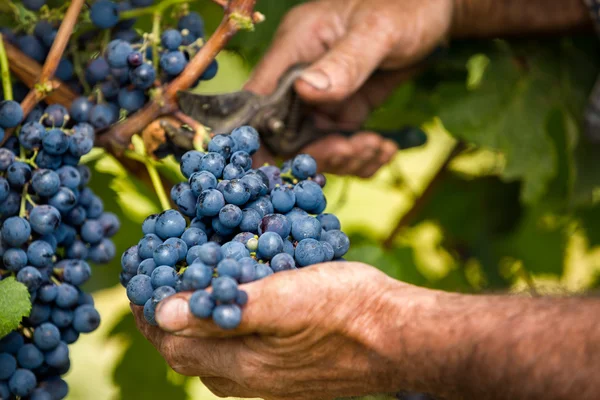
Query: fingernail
{"x": 316, "y": 79}
{"x": 173, "y": 315}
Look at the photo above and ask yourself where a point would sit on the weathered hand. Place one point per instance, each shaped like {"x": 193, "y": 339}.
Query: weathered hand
{"x": 301, "y": 336}
{"x": 347, "y": 41}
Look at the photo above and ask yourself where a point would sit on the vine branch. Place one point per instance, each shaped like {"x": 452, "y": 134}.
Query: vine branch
{"x": 45, "y": 84}
{"x": 239, "y": 14}
{"x": 422, "y": 200}
{"x": 6, "y": 82}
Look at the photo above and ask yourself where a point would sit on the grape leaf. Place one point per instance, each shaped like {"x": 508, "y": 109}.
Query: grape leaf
{"x": 14, "y": 304}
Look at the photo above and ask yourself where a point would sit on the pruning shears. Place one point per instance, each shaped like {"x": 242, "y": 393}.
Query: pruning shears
{"x": 283, "y": 120}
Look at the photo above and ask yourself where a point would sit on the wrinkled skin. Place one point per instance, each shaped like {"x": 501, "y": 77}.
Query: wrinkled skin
{"x": 301, "y": 337}
{"x": 346, "y": 41}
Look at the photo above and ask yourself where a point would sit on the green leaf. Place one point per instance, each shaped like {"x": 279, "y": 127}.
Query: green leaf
{"x": 14, "y": 304}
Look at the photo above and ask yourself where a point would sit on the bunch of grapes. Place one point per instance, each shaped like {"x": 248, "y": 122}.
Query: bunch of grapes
{"x": 245, "y": 224}
{"x": 52, "y": 224}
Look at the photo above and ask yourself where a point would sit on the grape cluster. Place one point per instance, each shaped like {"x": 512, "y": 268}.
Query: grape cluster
{"x": 51, "y": 225}
{"x": 245, "y": 224}
{"x": 125, "y": 74}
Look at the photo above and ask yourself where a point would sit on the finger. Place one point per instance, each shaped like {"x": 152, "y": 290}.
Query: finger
{"x": 297, "y": 40}
{"x": 366, "y": 147}
{"x": 331, "y": 153}
{"x": 259, "y": 315}
{"x": 346, "y": 67}
{"x": 223, "y": 387}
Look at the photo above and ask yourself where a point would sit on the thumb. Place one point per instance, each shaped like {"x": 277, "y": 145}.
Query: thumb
{"x": 258, "y": 315}
{"x": 346, "y": 67}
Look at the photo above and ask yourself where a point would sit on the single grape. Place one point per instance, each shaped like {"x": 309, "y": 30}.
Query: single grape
{"x": 227, "y": 316}
{"x": 149, "y": 224}
{"x": 80, "y": 109}
{"x": 173, "y": 62}
{"x": 32, "y": 47}
{"x": 309, "y": 252}
{"x": 211, "y": 71}
{"x": 305, "y": 227}
{"x": 55, "y": 115}
{"x": 338, "y": 240}
{"x": 117, "y": 52}
{"x": 191, "y": 162}
{"x": 283, "y": 199}
{"x": 179, "y": 245}
{"x": 304, "y": 166}
{"x": 104, "y": 14}
{"x": 22, "y": 383}
{"x": 277, "y": 223}
{"x": 15, "y": 231}
{"x": 201, "y": 181}
{"x": 166, "y": 254}
{"x": 18, "y": 174}
{"x": 235, "y": 250}
{"x": 246, "y": 138}
{"x": 44, "y": 219}
{"x": 8, "y": 366}
{"x": 171, "y": 39}
{"x": 86, "y": 318}
{"x": 193, "y": 22}
{"x": 282, "y": 262}
{"x": 223, "y": 145}
{"x": 170, "y": 224}
{"x": 209, "y": 203}
{"x": 30, "y": 136}
{"x": 77, "y": 272}
{"x": 197, "y": 276}
{"x": 46, "y": 336}
{"x": 149, "y": 312}
{"x": 143, "y": 77}
{"x": 59, "y": 356}
{"x": 186, "y": 203}
{"x": 230, "y": 216}
{"x": 225, "y": 289}
{"x": 194, "y": 237}
{"x": 66, "y": 296}
{"x": 208, "y": 253}
{"x": 269, "y": 244}
{"x": 236, "y": 192}
{"x": 131, "y": 99}
{"x": 229, "y": 267}
{"x": 213, "y": 163}
{"x": 201, "y": 304}
{"x": 92, "y": 231}
{"x": 146, "y": 267}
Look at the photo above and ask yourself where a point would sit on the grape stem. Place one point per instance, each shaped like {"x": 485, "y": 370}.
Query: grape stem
{"x": 6, "y": 83}
{"x": 157, "y": 183}
{"x": 156, "y": 19}
{"x": 23, "y": 209}
{"x": 151, "y": 10}
{"x": 422, "y": 200}
{"x": 57, "y": 50}
{"x": 239, "y": 14}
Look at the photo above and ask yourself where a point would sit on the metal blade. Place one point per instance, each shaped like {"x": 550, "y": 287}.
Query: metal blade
{"x": 222, "y": 112}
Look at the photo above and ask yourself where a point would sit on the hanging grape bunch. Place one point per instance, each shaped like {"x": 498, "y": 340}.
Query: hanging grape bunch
{"x": 245, "y": 224}
{"x": 52, "y": 225}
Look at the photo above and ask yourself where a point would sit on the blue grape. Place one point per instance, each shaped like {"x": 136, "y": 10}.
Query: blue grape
{"x": 273, "y": 174}
{"x": 208, "y": 253}
{"x": 338, "y": 240}
{"x": 77, "y": 250}
{"x": 177, "y": 190}
{"x": 40, "y": 394}
{"x": 59, "y": 356}
{"x": 275, "y": 223}
{"x": 14, "y": 260}
{"x": 32, "y": 47}
{"x": 47, "y": 160}
{"x": 191, "y": 162}
{"x": 30, "y": 357}
{"x": 55, "y": 115}
{"x": 7, "y": 157}
{"x": 179, "y": 245}
{"x": 149, "y": 312}
{"x": 34, "y": 5}
{"x": 227, "y": 316}
{"x": 44, "y": 219}
{"x": 146, "y": 267}
{"x": 213, "y": 163}
{"x": 30, "y": 136}
{"x": 225, "y": 289}
{"x": 47, "y": 293}
{"x": 201, "y": 181}
{"x": 201, "y": 304}
{"x": 220, "y": 230}
{"x": 263, "y": 205}
{"x": 223, "y": 145}
{"x": 304, "y": 166}
{"x": 197, "y": 276}
{"x": 66, "y": 296}
{"x": 270, "y": 244}
{"x": 81, "y": 143}
{"x": 104, "y": 14}
{"x": 18, "y": 174}
{"x": 309, "y": 252}
{"x": 110, "y": 224}
{"x": 11, "y": 205}
{"x": 329, "y": 222}
{"x": 110, "y": 88}
{"x": 65, "y": 69}
{"x": 39, "y": 314}
{"x": 305, "y": 227}
{"x": 117, "y": 52}
{"x": 77, "y": 272}
{"x": 309, "y": 195}
{"x": 254, "y": 185}
{"x": 95, "y": 208}
{"x": 247, "y": 139}
{"x": 15, "y": 231}
{"x": 131, "y": 99}
{"x": 135, "y": 59}
{"x": 22, "y": 383}
{"x": 171, "y": 39}
{"x": 236, "y": 192}
{"x": 233, "y": 172}
{"x": 56, "y": 142}
{"x": 170, "y": 224}
{"x": 147, "y": 245}
{"x": 11, "y": 343}
{"x": 235, "y": 250}
{"x": 46, "y": 336}
{"x": 283, "y": 199}
{"x": 229, "y": 267}
{"x": 193, "y": 22}
{"x": 92, "y": 231}
{"x": 250, "y": 220}
{"x": 242, "y": 159}
{"x": 80, "y": 109}
{"x": 242, "y": 298}
{"x": 247, "y": 270}
{"x": 211, "y": 71}
{"x": 282, "y": 262}
{"x": 161, "y": 293}
{"x": 328, "y": 251}
{"x": 166, "y": 254}
{"x": 230, "y": 216}
{"x": 173, "y": 62}
{"x": 194, "y": 237}
{"x": 8, "y": 366}
{"x": 209, "y": 203}
{"x": 102, "y": 116}
{"x": 86, "y": 319}
{"x": 4, "y": 189}
{"x": 143, "y": 77}
{"x": 186, "y": 203}
{"x": 149, "y": 224}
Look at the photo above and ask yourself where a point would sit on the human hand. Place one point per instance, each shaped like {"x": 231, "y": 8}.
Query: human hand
{"x": 305, "y": 334}
{"x": 347, "y": 41}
